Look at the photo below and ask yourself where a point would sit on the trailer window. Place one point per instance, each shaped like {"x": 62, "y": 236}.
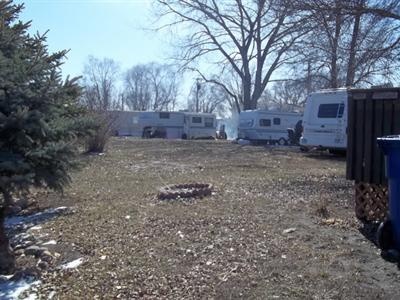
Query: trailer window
{"x": 196, "y": 120}
{"x": 277, "y": 121}
{"x": 331, "y": 110}
{"x": 265, "y": 122}
{"x": 164, "y": 115}
{"x": 209, "y": 122}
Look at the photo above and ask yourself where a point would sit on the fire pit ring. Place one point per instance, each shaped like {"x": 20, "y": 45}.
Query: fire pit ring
{"x": 186, "y": 190}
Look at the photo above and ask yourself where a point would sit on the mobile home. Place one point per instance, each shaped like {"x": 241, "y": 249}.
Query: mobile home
{"x": 170, "y": 125}
{"x": 199, "y": 125}
{"x": 150, "y": 124}
{"x": 122, "y": 122}
{"x": 325, "y": 120}
{"x": 266, "y": 126}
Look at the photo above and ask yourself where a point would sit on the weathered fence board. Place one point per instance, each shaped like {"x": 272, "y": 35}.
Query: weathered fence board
{"x": 372, "y": 113}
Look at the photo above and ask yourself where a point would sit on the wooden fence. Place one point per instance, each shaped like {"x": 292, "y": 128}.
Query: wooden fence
{"x": 372, "y": 113}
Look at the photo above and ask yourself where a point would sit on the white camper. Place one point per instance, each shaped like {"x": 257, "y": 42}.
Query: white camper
{"x": 266, "y": 126}
{"x": 199, "y": 125}
{"x": 150, "y": 124}
{"x": 325, "y": 120}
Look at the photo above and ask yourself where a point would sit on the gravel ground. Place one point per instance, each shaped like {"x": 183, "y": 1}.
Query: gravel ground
{"x": 279, "y": 225}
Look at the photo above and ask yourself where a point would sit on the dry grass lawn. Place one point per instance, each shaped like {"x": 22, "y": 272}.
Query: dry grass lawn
{"x": 231, "y": 245}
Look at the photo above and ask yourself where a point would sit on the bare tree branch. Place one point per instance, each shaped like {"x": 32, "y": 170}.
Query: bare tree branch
{"x": 252, "y": 37}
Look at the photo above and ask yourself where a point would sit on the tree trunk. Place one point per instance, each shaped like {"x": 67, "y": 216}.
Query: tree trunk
{"x": 247, "y": 103}
{"x": 335, "y": 48}
{"x": 7, "y": 258}
{"x": 334, "y": 44}
{"x": 351, "y": 67}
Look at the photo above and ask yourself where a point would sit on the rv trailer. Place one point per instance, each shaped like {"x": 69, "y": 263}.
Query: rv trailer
{"x": 147, "y": 124}
{"x": 122, "y": 122}
{"x": 325, "y": 121}
{"x": 170, "y": 125}
{"x": 199, "y": 126}
{"x": 266, "y": 126}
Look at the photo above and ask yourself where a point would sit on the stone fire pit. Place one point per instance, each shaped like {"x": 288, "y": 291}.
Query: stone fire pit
{"x": 187, "y": 190}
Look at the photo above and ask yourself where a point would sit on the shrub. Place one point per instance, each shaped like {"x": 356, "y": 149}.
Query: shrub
{"x": 103, "y": 129}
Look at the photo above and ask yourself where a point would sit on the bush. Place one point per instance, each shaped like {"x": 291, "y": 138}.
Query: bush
{"x": 103, "y": 129}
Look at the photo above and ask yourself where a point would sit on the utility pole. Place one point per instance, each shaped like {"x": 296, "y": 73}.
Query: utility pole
{"x": 309, "y": 78}
{"x": 198, "y": 86}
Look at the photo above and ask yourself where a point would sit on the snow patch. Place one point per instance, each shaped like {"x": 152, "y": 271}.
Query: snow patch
{"x": 11, "y": 290}
{"x": 35, "y": 218}
{"x": 52, "y": 242}
{"x": 35, "y": 227}
{"x": 31, "y": 297}
{"x": 73, "y": 264}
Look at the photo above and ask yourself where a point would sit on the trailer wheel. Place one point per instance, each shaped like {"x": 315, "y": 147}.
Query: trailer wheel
{"x": 146, "y": 133}
{"x": 304, "y": 149}
{"x": 282, "y": 142}
{"x": 184, "y": 136}
{"x": 385, "y": 238}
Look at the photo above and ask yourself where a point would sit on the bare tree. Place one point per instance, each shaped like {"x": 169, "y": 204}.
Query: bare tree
{"x": 374, "y": 42}
{"x": 253, "y": 38}
{"x": 99, "y": 81}
{"x": 265, "y": 102}
{"x": 229, "y": 81}
{"x": 383, "y": 8}
{"x": 288, "y": 95}
{"x": 151, "y": 87}
{"x": 137, "y": 88}
{"x": 100, "y": 97}
{"x": 351, "y": 44}
{"x": 164, "y": 80}
{"x": 209, "y": 97}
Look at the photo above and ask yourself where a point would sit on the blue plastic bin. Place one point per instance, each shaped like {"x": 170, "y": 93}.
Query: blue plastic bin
{"x": 391, "y": 148}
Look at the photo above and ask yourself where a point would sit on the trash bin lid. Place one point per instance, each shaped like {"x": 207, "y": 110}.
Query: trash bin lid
{"x": 390, "y": 141}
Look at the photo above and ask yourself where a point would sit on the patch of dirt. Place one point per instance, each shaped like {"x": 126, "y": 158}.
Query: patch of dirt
{"x": 259, "y": 237}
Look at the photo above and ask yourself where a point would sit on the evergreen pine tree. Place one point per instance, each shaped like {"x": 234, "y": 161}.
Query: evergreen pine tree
{"x": 38, "y": 113}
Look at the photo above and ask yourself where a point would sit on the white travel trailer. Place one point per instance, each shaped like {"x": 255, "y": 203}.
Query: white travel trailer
{"x": 150, "y": 124}
{"x": 325, "y": 120}
{"x": 199, "y": 125}
{"x": 266, "y": 126}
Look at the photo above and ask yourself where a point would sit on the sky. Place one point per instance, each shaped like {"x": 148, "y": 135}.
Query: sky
{"x": 102, "y": 28}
